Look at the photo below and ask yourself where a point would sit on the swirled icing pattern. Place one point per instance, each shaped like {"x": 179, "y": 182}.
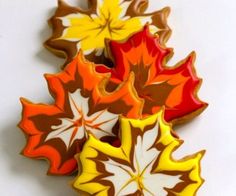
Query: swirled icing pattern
{"x": 75, "y": 28}
{"x": 89, "y": 97}
{"x": 155, "y": 84}
{"x": 142, "y": 165}
{"x": 58, "y": 131}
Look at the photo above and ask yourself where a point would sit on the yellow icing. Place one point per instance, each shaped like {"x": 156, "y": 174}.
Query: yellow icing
{"x": 109, "y": 22}
{"x": 190, "y": 164}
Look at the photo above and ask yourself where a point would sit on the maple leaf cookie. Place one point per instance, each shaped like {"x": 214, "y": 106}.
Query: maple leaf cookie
{"x": 155, "y": 84}
{"x": 58, "y": 131}
{"x": 89, "y": 98}
{"x": 142, "y": 165}
{"x": 75, "y": 28}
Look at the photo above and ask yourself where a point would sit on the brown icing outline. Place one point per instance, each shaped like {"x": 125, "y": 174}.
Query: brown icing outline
{"x": 60, "y": 85}
{"x": 182, "y": 119}
{"x": 68, "y": 50}
{"x": 101, "y": 158}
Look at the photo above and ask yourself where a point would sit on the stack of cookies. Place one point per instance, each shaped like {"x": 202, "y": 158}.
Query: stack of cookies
{"x": 116, "y": 102}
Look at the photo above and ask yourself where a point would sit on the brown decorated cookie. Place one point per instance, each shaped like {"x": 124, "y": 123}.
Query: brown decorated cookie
{"x": 75, "y": 28}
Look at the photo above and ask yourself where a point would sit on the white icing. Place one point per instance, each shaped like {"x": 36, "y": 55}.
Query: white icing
{"x": 153, "y": 29}
{"x": 124, "y": 6}
{"x": 144, "y": 154}
{"x": 93, "y": 16}
{"x": 130, "y": 189}
{"x": 156, "y": 183}
{"x": 126, "y": 18}
{"x": 99, "y": 124}
{"x": 87, "y": 52}
{"x": 66, "y": 21}
{"x": 145, "y": 20}
{"x": 148, "y": 20}
{"x": 123, "y": 177}
{"x": 99, "y": 51}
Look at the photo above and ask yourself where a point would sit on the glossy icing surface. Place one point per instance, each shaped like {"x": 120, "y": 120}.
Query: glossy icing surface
{"x": 89, "y": 97}
{"x": 143, "y": 165}
{"x": 155, "y": 84}
{"x": 78, "y": 127}
{"x": 57, "y": 132}
{"x": 75, "y": 29}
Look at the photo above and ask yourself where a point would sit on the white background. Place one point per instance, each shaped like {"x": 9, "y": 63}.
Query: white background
{"x": 208, "y": 27}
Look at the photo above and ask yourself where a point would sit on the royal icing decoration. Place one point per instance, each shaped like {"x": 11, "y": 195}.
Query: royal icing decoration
{"x": 57, "y": 132}
{"x": 143, "y": 59}
{"x": 80, "y": 125}
{"x": 89, "y": 98}
{"x": 75, "y": 28}
{"x": 142, "y": 165}
{"x": 115, "y": 102}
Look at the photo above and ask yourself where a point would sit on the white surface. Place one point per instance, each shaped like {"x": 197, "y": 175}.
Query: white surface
{"x": 208, "y": 27}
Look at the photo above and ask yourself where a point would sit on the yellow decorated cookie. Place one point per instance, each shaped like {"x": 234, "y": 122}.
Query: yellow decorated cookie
{"x": 142, "y": 165}
{"x": 75, "y": 28}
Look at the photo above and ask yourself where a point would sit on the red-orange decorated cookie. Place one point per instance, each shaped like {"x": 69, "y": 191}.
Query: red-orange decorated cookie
{"x": 144, "y": 58}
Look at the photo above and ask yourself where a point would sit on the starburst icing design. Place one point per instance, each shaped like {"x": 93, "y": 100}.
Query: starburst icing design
{"x": 80, "y": 125}
{"x": 58, "y": 131}
{"x": 142, "y": 165}
{"x": 75, "y": 28}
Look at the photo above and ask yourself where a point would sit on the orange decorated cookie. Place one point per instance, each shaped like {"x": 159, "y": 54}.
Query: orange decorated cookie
{"x": 58, "y": 131}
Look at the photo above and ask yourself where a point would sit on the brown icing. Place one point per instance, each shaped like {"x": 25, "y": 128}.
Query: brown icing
{"x": 69, "y": 49}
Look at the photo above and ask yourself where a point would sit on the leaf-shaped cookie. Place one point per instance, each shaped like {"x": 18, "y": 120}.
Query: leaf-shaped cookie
{"x": 75, "y": 28}
{"x": 88, "y": 101}
{"x": 142, "y": 165}
{"x": 156, "y": 85}
{"x": 58, "y": 131}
